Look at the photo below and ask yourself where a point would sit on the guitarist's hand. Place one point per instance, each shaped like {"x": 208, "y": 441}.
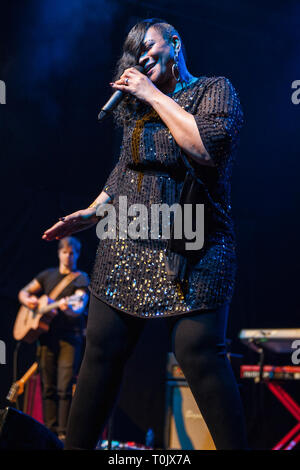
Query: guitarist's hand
{"x": 65, "y": 307}
{"x": 32, "y": 302}
{"x": 76, "y": 222}
{"x": 63, "y": 304}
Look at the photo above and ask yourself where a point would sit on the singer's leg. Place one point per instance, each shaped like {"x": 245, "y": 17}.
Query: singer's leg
{"x": 111, "y": 337}
{"x": 199, "y": 346}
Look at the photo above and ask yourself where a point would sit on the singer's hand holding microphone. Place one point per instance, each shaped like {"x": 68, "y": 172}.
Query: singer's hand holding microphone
{"x": 132, "y": 81}
{"x": 136, "y": 83}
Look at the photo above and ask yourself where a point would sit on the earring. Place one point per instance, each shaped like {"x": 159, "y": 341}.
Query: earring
{"x": 175, "y": 66}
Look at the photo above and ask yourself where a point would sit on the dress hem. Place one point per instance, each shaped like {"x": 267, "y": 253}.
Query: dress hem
{"x": 171, "y": 314}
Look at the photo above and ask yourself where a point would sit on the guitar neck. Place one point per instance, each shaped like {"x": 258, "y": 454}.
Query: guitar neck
{"x": 49, "y": 307}
{"x": 55, "y": 304}
{"x": 17, "y": 388}
{"x": 29, "y": 373}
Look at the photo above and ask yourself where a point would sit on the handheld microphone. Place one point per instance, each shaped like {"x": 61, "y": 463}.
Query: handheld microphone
{"x": 115, "y": 99}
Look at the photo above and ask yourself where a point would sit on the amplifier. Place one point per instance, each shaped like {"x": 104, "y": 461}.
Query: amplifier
{"x": 174, "y": 371}
{"x": 185, "y": 427}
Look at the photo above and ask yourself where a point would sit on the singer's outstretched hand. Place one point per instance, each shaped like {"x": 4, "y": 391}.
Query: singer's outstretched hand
{"x": 76, "y": 222}
{"x": 137, "y": 84}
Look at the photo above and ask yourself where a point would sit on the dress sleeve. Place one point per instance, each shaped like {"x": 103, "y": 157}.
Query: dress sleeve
{"x": 219, "y": 118}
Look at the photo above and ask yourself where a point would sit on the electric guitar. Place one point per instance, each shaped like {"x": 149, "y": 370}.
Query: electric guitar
{"x": 17, "y": 388}
{"x": 30, "y": 324}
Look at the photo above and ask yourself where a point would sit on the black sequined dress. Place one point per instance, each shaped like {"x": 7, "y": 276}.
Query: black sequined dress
{"x": 129, "y": 274}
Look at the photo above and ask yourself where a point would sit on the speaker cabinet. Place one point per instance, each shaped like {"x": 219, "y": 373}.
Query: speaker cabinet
{"x": 185, "y": 427}
{"x": 19, "y": 431}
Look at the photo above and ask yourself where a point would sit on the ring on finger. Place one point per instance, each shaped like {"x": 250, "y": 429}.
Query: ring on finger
{"x": 126, "y": 81}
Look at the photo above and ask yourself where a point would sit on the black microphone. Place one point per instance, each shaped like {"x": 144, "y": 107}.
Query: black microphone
{"x": 115, "y": 99}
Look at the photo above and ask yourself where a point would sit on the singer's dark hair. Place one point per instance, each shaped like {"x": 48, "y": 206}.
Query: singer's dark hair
{"x": 132, "y": 49}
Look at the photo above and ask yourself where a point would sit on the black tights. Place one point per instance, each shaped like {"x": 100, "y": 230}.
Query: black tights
{"x": 198, "y": 344}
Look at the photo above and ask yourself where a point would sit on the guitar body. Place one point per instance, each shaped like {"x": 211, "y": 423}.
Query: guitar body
{"x": 30, "y": 324}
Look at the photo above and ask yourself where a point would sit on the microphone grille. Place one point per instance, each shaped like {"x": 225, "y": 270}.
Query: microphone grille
{"x": 139, "y": 68}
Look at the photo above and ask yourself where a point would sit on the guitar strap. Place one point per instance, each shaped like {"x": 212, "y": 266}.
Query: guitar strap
{"x": 63, "y": 284}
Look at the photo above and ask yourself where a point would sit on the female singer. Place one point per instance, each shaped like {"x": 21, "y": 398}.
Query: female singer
{"x": 174, "y": 125}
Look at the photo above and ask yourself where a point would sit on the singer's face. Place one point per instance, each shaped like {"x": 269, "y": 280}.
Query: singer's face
{"x": 157, "y": 57}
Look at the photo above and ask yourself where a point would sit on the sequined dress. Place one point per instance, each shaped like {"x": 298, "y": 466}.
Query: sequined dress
{"x": 129, "y": 274}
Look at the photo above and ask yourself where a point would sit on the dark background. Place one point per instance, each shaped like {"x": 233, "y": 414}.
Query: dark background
{"x": 57, "y": 59}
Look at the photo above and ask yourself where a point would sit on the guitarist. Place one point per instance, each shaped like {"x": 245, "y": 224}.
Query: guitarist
{"x": 61, "y": 347}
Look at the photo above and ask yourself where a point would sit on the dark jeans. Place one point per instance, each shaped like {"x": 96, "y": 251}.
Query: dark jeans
{"x": 198, "y": 344}
{"x": 59, "y": 365}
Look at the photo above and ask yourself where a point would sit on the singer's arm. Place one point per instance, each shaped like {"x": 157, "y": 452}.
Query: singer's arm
{"x": 77, "y": 221}
{"x": 103, "y": 198}
{"x": 182, "y": 126}
{"x": 209, "y": 135}
{"x": 206, "y": 136}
